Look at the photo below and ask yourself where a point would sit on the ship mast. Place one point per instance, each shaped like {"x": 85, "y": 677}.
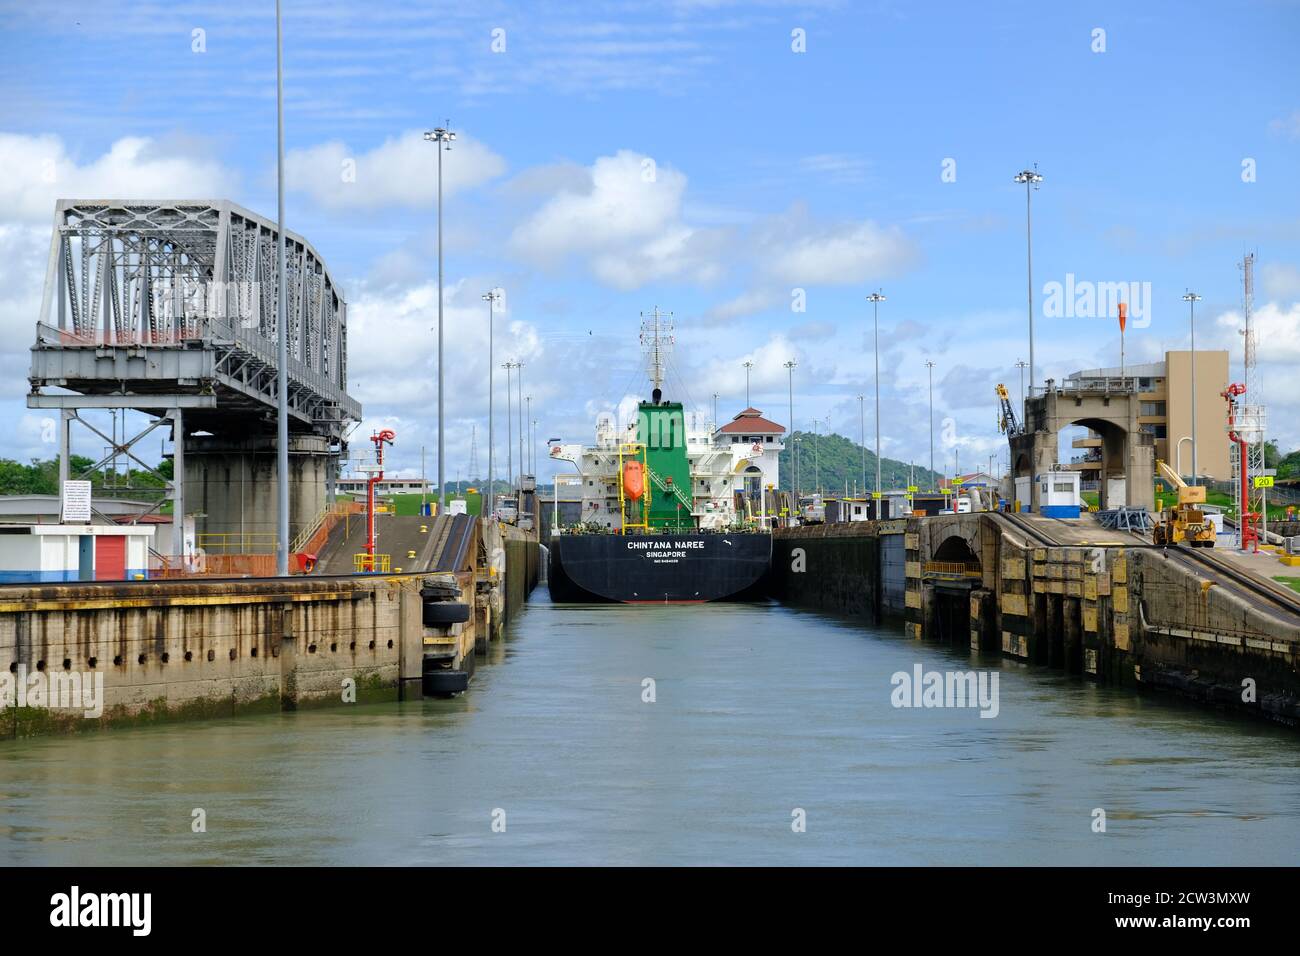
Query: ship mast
{"x": 656, "y": 343}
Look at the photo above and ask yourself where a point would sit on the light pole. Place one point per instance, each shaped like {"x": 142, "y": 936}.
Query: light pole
{"x": 875, "y": 299}
{"x": 519, "y": 381}
{"x": 440, "y": 136}
{"x": 492, "y": 296}
{"x": 281, "y": 334}
{"x": 510, "y": 441}
{"x": 528, "y": 420}
{"x": 929, "y": 368}
{"x": 1191, "y": 298}
{"x": 790, "y": 367}
{"x": 817, "y": 460}
{"x": 1031, "y": 179}
{"x": 748, "y": 366}
{"x": 1022, "y": 365}
{"x": 862, "y": 432}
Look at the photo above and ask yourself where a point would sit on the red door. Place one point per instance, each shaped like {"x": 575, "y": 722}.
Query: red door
{"x": 110, "y": 557}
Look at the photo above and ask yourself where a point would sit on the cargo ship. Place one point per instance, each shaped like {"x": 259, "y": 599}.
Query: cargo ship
{"x": 668, "y": 503}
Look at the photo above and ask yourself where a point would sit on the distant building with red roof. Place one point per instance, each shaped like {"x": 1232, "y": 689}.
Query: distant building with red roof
{"x": 751, "y": 422}
{"x": 755, "y": 445}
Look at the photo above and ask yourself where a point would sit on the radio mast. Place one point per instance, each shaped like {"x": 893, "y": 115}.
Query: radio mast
{"x": 656, "y": 343}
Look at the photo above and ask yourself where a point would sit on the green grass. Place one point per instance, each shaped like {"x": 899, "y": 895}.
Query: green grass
{"x": 410, "y": 504}
{"x": 1292, "y": 583}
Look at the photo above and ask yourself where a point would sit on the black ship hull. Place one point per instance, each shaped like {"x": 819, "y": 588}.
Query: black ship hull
{"x": 673, "y": 567}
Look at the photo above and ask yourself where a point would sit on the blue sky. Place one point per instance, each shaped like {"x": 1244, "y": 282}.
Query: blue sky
{"x": 773, "y": 171}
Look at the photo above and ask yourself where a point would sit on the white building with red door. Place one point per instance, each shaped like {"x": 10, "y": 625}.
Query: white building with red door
{"x": 38, "y": 553}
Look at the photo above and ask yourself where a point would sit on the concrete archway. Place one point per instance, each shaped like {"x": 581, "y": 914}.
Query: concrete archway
{"x": 1126, "y": 449}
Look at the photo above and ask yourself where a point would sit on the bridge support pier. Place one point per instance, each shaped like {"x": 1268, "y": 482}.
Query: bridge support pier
{"x": 230, "y": 486}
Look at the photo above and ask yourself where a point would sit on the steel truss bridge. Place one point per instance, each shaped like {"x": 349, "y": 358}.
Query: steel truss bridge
{"x": 169, "y": 308}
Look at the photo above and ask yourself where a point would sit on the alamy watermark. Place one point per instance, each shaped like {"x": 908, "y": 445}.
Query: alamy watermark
{"x": 1084, "y": 299}
{"x": 922, "y": 688}
{"x": 61, "y": 690}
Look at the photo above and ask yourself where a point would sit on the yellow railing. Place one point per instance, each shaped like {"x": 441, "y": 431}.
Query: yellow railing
{"x": 953, "y": 568}
{"x": 368, "y": 564}
{"x": 236, "y": 542}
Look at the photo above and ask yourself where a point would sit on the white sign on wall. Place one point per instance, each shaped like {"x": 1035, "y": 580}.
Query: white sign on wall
{"x": 76, "y": 501}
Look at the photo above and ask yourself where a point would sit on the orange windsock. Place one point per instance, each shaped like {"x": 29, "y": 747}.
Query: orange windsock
{"x": 1123, "y": 315}
{"x": 633, "y": 479}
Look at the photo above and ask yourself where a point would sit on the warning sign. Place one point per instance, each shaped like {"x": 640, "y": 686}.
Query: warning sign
{"x": 76, "y": 501}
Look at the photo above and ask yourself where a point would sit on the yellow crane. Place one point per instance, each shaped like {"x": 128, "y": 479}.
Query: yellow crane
{"x": 1185, "y": 521}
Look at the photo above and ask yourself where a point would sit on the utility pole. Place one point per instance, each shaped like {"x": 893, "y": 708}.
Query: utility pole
{"x": 528, "y": 444}
{"x": 1191, "y": 298}
{"x": 1031, "y": 179}
{"x": 817, "y": 459}
{"x": 519, "y": 381}
{"x": 929, "y": 367}
{"x": 790, "y": 367}
{"x": 510, "y": 442}
{"x": 281, "y": 334}
{"x": 862, "y": 431}
{"x": 875, "y": 299}
{"x": 491, "y": 296}
{"x": 440, "y": 136}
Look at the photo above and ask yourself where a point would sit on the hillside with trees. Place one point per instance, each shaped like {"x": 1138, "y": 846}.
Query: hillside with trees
{"x": 834, "y": 460}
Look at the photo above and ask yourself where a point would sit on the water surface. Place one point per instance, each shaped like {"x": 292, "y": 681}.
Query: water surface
{"x": 760, "y": 709}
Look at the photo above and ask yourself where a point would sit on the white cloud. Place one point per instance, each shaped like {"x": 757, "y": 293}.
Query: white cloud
{"x": 746, "y": 304}
{"x": 625, "y": 219}
{"x": 38, "y": 170}
{"x": 1280, "y": 281}
{"x": 803, "y": 252}
{"x": 1288, "y": 126}
{"x": 1277, "y": 329}
{"x": 400, "y": 171}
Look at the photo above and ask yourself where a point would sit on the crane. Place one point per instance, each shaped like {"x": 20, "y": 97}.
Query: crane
{"x": 1007, "y": 421}
{"x": 1185, "y": 521}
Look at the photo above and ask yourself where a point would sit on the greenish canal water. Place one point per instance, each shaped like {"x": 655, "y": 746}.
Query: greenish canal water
{"x": 760, "y": 711}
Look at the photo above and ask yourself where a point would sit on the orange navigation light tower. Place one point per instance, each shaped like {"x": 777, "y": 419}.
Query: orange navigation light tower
{"x": 377, "y": 475}
{"x": 1246, "y": 518}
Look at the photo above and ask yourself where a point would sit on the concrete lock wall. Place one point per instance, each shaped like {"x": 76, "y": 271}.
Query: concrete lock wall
{"x": 1126, "y": 616}
{"x": 835, "y": 567}
{"x": 204, "y": 649}
{"x": 522, "y": 567}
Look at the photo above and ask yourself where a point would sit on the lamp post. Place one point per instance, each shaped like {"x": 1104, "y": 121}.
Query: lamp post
{"x": 510, "y": 441}
{"x": 442, "y": 137}
{"x": 862, "y": 432}
{"x": 281, "y": 335}
{"x": 817, "y": 460}
{"x": 875, "y": 299}
{"x": 748, "y": 366}
{"x": 519, "y": 382}
{"x": 1021, "y": 364}
{"x": 491, "y": 296}
{"x": 1191, "y": 298}
{"x": 1031, "y": 179}
{"x": 794, "y": 483}
{"x": 929, "y": 368}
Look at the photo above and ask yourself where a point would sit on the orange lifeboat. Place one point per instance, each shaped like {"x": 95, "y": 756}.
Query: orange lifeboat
{"x": 633, "y": 479}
